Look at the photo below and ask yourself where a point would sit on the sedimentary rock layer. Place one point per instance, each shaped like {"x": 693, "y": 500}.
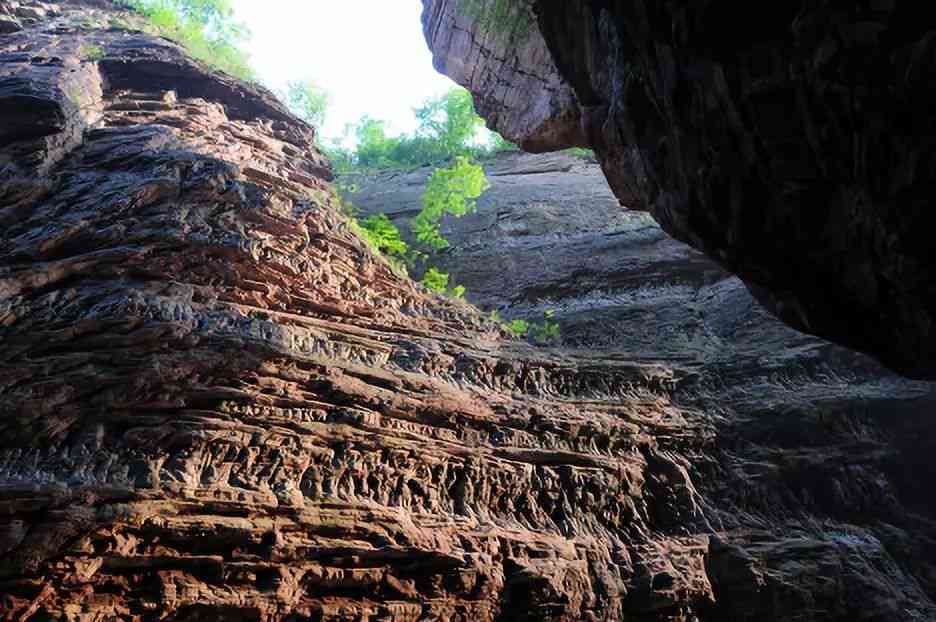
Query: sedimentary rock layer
{"x": 217, "y": 404}
{"x": 790, "y": 143}
{"x": 805, "y": 431}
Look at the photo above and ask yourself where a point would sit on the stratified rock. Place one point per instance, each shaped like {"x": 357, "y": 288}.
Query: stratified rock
{"x": 807, "y": 433}
{"x": 790, "y": 143}
{"x": 537, "y": 109}
{"x": 217, "y": 404}
{"x": 9, "y": 24}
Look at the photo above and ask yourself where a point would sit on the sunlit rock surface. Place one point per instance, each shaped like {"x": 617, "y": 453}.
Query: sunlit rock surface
{"x": 815, "y": 446}
{"x": 217, "y": 404}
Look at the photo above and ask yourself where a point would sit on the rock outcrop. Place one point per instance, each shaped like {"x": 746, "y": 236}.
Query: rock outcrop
{"x": 790, "y": 143}
{"x": 217, "y": 404}
{"x": 802, "y": 427}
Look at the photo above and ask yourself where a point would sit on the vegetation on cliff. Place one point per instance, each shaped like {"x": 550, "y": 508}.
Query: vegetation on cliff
{"x": 451, "y": 190}
{"x": 206, "y": 28}
{"x": 307, "y": 100}
{"x": 455, "y": 191}
{"x": 448, "y": 127}
{"x": 449, "y": 135}
{"x": 501, "y": 18}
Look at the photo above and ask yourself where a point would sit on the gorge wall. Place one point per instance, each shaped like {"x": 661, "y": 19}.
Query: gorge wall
{"x": 217, "y": 404}
{"x": 802, "y": 427}
{"x": 792, "y": 143}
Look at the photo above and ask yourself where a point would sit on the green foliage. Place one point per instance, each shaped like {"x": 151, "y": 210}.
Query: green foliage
{"x": 500, "y": 144}
{"x": 503, "y": 18}
{"x": 206, "y": 28}
{"x": 546, "y": 331}
{"x": 438, "y": 282}
{"x": 91, "y": 52}
{"x": 378, "y": 235}
{"x": 578, "y": 152}
{"x": 543, "y": 332}
{"x": 307, "y": 101}
{"x": 450, "y": 121}
{"x": 448, "y": 127}
{"x": 374, "y": 148}
{"x": 517, "y": 328}
{"x": 384, "y": 236}
{"x": 435, "y": 281}
{"x": 454, "y": 191}
{"x": 342, "y": 159}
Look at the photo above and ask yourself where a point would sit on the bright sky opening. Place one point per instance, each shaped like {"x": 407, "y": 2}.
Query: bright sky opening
{"x": 370, "y": 55}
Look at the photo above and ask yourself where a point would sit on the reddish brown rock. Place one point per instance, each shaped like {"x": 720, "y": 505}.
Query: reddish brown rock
{"x": 217, "y": 404}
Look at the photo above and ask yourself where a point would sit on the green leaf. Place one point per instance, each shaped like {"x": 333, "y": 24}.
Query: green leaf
{"x": 206, "y": 28}
{"x": 435, "y": 281}
{"x": 517, "y": 328}
{"x": 307, "y": 101}
{"x": 452, "y": 190}
{"x": 384, "y": 235}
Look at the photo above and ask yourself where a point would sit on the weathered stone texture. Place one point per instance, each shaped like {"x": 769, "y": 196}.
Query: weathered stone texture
{"x": 217, "y": 404}
{"x": 515, "y": 84}
{"x": 791, "y": 142}
{"x": 816, "y": 447}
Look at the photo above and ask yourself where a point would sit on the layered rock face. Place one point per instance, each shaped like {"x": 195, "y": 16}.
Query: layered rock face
{"x": 790, "y": 143}
{"x": 217, "y": 404}
{"x": 812, "y": 441}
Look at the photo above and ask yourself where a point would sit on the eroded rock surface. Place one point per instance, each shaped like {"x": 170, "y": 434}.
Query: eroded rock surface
{"x": 806, "y": 432}
{"x": 509, "y": 69}
{"x": 790, "y": 143}
{"x": 217, "y": 404}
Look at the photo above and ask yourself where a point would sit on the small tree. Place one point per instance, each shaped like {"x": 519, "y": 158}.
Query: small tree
{"x": 438, "y": 282}
{"x": 308, "y": 101}
{"x": 451, "y": 122}
{"x": 206, "y": 28}
{"x": 384, "y": 236}
{"x": 547, "y": 331}
{"x": 435, "y": 281}
{"x": 374, "y": 147}
{"x": 452, "y": 190}
{"x": 517, "y": 328}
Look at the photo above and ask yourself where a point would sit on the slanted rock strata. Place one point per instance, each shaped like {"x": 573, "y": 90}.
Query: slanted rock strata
{"x": 217, "y": 403}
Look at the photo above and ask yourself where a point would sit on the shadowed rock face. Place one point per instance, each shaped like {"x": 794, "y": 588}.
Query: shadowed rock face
{"x": 790, "y": 143}
{"x": 217, "y": 404}
{"x": 802, "y": 427}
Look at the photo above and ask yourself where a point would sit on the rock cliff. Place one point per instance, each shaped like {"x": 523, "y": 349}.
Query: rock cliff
{"x": 796, "y": 420}
{"x": 791, "y": 143}
{"x": 217, "y": 404}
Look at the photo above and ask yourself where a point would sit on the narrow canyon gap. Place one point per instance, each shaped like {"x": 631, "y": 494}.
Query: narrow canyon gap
{"x": 217, "y": 403}
{"x": 791, "y": 142}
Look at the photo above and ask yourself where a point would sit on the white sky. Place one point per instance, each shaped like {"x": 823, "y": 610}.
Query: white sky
{"x": 370, "y": 55}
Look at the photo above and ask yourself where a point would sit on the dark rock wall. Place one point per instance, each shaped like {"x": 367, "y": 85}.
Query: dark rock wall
{"x": 217, "y": 404}
{"x": 817, "y": 450}
{"x": 791, "y": 143}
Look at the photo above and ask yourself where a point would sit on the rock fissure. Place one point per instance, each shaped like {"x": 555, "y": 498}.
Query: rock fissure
{"x": 217, "y": 403}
